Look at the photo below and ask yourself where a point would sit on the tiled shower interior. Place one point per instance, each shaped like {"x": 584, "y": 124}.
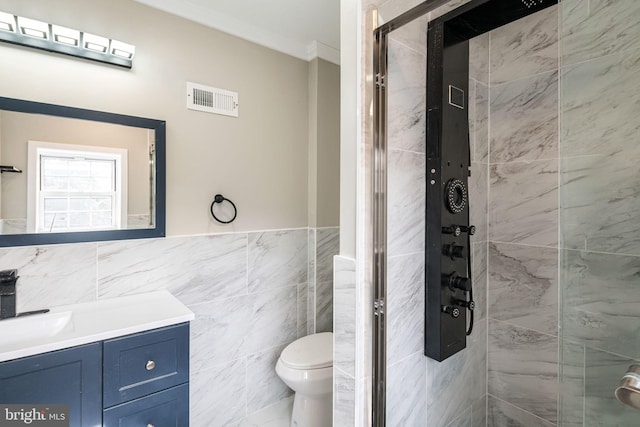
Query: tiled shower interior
{"x": 553, "y": 102}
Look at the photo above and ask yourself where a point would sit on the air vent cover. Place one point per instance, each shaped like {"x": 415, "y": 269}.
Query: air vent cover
{"x": 212, "y": 100}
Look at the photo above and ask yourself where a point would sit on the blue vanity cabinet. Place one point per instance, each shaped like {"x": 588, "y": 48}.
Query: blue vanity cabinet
{"x": 65, "y": 377}
{"x": 146, "y": 379}
{"x": 135, "y": 380}
{"x": 140, "y": 364}
{"x": 169, "y": 408}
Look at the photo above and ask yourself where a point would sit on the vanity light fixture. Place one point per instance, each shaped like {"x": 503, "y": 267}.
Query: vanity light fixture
{"x": 54, "y": 38}
{"x": 7, "y": 22}
{"x": 33, "y": 28}
{"x": 65, "y": 35}
{"x": 123, "y": 50}
{"x": 95, "y": 43}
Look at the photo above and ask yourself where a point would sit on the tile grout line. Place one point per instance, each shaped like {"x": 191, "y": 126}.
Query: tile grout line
{"x": 559, "y": 293}
{"x": 488, "y": 234}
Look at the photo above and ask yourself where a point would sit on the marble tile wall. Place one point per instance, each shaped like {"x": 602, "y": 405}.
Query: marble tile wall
{"x": 406, "y": 163}
{"x": 249, "y": 292}
{"x": 523, "y": 222}
{"x": 421, "y": 391}
{"x": 599, "y": 231}
{"x": 591, "y": 235}
{"x": 344, "y": 347}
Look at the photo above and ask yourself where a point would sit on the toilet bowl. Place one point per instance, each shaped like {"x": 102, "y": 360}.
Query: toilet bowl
{"x": 306, "y": 366}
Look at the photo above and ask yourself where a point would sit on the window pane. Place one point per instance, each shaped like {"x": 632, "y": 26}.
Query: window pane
{"x": 54, "y": 183}
{"x": 79, "y": 219}
{"x": 55, "y": 221}
{"x": 101, "y": 219}
{"x": 78, "y": 191}
{"x": 80, "y": 204}
{"x": 90, "y": 204}
{"x": 79, "y": 167}
{"x": 54, "y": 166}
{"x": 102, "y": 184}
{"x": 55, "y": 204}
{"x": 103, "y": 168}
{"x": 103, "y": 203}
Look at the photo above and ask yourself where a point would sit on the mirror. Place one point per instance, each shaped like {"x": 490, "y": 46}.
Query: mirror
{"x": 76, "y": 175}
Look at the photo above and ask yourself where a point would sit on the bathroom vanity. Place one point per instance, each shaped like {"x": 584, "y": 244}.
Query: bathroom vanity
{"x": 117, "y": 362}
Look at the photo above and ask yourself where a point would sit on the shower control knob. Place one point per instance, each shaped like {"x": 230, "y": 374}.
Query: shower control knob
{"x": 471, "y": 305}
{"x": 451, "y": 311}
{"x": 454, "y": 229}
{"x": 453, "y": 281}
{"x": 453, "y": 251}
{"x": 457, "y": 230}
{"x": 470, "y": 229}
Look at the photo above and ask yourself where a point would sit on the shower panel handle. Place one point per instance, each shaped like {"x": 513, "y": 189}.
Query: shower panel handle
{"x": 453, "y": 282}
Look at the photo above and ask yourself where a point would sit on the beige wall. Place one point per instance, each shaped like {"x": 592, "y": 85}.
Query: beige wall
{"x": 1, "y": 164}
{"x": 21, "y": 127}
{"x": 324, "y": 144}
{"x": 350, "y": 21}
{"x": 328, "y": 154}
{"x": 258, "y": 160}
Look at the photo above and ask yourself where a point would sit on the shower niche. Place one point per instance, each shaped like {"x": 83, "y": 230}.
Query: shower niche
{"x": 449, "y": 288}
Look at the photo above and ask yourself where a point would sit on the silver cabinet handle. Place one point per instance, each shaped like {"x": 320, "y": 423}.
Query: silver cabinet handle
{"x": 150, "y": 365}
{"x": 150, "y": 425}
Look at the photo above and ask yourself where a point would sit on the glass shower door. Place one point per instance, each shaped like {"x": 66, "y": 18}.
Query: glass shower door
{"x": 599, "y": 215}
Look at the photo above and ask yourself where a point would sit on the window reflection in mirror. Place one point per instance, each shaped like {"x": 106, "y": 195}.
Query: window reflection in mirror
{"x": 85, "y": 175}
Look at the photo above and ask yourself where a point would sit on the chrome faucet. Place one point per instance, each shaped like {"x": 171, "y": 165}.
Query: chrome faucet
{"x": 8, "y": 280}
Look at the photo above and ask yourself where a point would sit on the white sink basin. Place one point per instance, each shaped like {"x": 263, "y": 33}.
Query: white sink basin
{"x": 34, "y": 327}
{"x": 94, "y": 321}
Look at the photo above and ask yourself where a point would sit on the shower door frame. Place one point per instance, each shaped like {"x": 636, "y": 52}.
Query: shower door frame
{"x": 380, "y": 143}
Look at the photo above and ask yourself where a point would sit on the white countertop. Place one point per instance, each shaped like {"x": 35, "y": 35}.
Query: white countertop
{"x": 77, "y": 324}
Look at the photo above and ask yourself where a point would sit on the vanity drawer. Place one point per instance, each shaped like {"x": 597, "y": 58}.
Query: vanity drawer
{"x": 144, "y": 363}
{"x": 169, "y": 408}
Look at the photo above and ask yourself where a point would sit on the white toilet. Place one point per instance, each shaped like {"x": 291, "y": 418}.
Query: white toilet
{"x": 306, "y": 366}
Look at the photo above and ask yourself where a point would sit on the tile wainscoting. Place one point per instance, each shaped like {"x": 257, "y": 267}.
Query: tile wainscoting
{"x": 252, "y": 293}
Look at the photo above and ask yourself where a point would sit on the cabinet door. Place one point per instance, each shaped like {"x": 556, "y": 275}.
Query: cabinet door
{"x": 144, "y": 363}
{"x": 169, "y": 408}
{"x": 66, "y": 377}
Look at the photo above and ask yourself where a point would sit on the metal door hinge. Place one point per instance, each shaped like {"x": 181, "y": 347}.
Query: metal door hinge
{"x": 379, "y": 81}
{"x": 378, "y": 307}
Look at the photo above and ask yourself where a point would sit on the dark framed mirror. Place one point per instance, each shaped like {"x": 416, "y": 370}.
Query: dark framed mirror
{"x": 75, "y": 175}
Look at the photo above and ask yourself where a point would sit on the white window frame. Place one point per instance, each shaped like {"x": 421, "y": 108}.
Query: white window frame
{"x": 36, "y": 149}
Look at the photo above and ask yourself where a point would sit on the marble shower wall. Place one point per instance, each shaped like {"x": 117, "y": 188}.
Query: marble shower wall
{"x": 555, "y": 202}
{"x": 421, "y": 391}
{"x": 600, "y": 200}
{"x": 523, "y": 222}
{"x": 250, "y": 293}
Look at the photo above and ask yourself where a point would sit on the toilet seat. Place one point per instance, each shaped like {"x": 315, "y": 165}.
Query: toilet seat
{"x": 306, "y": 366}
{"x": 310, "y": 352}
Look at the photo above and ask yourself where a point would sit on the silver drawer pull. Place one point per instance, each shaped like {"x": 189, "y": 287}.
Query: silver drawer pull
{"x": 150, "y": 365}
{"x": 150, "y": 425}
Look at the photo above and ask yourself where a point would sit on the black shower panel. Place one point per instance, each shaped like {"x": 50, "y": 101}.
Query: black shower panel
{"x": 449, "y": 288}
{"x": 449, "y": 291}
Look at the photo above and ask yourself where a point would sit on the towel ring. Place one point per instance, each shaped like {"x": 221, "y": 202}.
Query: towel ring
{"x": 219, "y": 198}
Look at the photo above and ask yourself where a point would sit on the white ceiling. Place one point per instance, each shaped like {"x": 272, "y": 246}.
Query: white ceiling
{"x": 301, "y": 28}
